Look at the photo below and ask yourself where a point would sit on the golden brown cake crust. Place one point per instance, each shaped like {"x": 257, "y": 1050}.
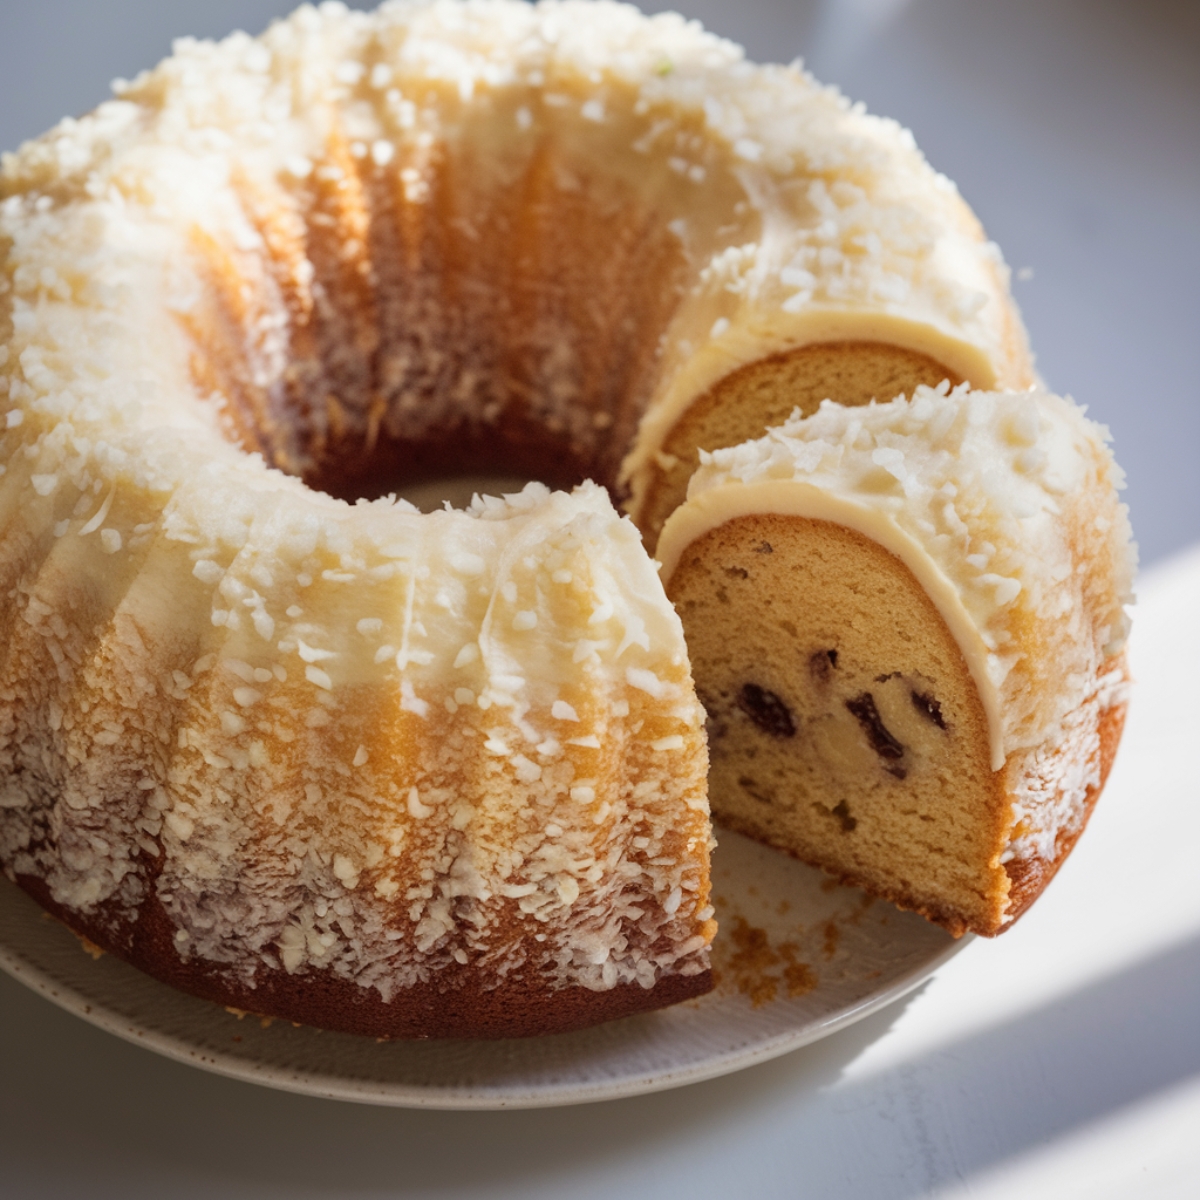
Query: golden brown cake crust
{"x": 1031, "y": 876}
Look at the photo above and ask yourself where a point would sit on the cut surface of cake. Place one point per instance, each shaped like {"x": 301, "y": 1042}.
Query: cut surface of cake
{"x": 906, "y": 623}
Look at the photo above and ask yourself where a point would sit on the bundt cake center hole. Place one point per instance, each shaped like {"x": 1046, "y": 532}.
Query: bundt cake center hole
{"x": 510, "y": 331}
{"x": 453, "y": 468}
{"x": 458, "y": 490}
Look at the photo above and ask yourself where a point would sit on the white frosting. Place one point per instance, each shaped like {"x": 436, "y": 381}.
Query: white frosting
{"x": 1003, "y": 506}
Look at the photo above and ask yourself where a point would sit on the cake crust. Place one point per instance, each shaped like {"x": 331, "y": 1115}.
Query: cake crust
{"x": 454, "y": 1003}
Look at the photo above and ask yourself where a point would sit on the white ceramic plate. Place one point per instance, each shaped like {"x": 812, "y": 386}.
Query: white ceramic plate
{"x": 798, "y": 958}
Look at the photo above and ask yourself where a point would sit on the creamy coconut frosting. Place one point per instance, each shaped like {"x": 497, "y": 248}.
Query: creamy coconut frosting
{"x": 1004, "y": 507}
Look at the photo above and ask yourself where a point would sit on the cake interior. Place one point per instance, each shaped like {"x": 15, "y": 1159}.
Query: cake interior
{"x": 843, "y": 723}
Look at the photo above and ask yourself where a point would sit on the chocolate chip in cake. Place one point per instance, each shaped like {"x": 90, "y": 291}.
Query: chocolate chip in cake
{"x": 822, "y": 664}
{"x": 882, "y": 742}
{"x": 751, "y": 788}
{"x": 764, "y": 548}
{"x": 927, "y": 706}
{"x": 767, "y": 711}
{"x": 737, "y": 572}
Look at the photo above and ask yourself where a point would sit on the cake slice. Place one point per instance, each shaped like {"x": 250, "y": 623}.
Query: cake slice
{"x": 906, "y": 624}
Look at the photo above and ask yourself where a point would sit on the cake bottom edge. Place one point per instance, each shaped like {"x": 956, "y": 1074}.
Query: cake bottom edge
{"x": 453, "y": 1004}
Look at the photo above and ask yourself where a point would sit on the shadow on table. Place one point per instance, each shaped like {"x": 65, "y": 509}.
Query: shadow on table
{"x": 135, "y": 1119}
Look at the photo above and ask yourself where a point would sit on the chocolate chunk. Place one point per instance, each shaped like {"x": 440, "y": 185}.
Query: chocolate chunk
{"x": 751, "y": 788}
{"x": 767, "y": 711}
{"x": 764, "y": 548}
{"x": 737, "y": 572}
{"x": 927, "y": 706}
{"x": 822, "y": 664}
{"x": 842, "y": 812}
{"x": 882, "y": 742}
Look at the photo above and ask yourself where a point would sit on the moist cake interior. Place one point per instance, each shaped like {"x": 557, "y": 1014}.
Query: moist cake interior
{"x": 843, "y": 723}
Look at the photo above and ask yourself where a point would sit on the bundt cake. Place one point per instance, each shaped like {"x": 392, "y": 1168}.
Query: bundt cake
{"x": 906, "y": 622}
{"x": 266, "y": 731}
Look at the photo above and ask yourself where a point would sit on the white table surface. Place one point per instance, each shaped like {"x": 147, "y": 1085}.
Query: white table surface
{"x": 1062, "y": 1060}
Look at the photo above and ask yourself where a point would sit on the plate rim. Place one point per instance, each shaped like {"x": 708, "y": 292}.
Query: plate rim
{"x": 322, "y": 1084}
